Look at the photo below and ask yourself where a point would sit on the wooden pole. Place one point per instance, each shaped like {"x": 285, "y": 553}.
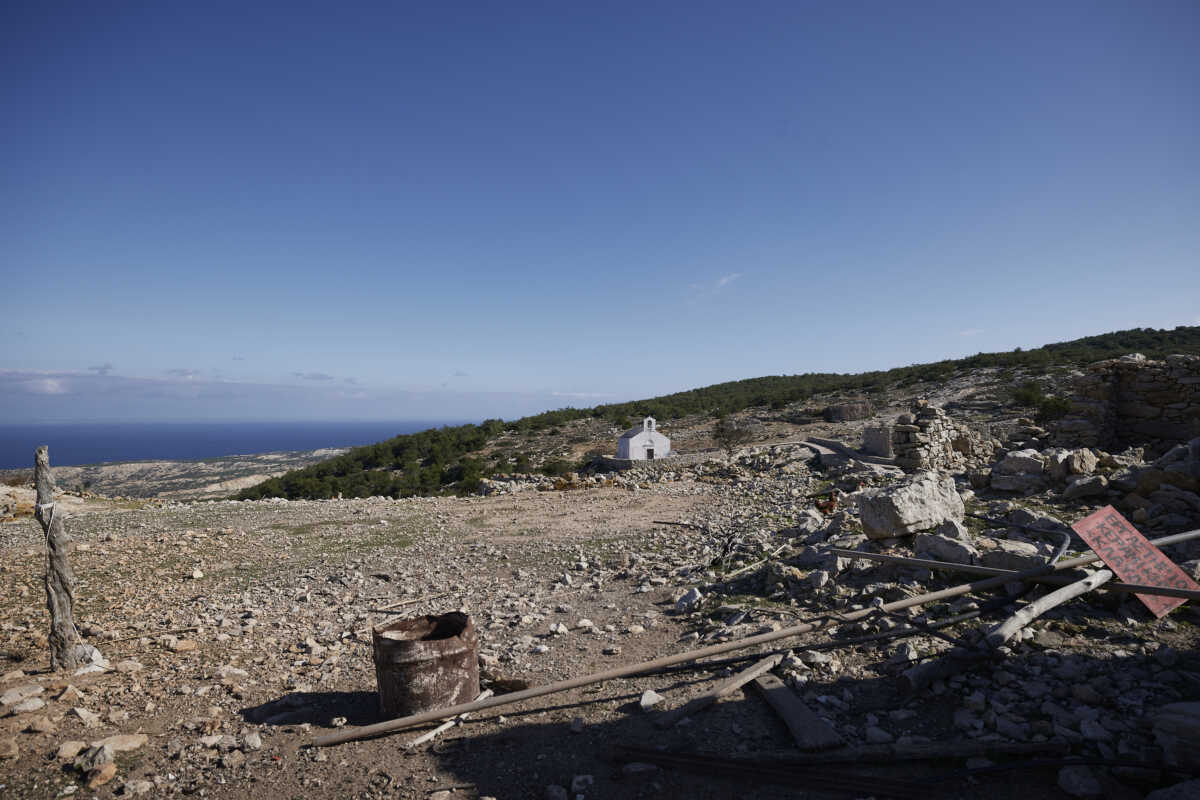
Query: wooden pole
{"x": 673, "y": 717}
{"x": 961, "y": 657}
{"x": 712, "y": 650}
{"x": 60, "y": 582}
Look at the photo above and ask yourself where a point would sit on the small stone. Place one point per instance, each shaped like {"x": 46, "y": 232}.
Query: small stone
{"x": 182, "y": 645}
{"x": 134, "y": 788}
{"x": 71, "y": 695}
{"x": 18, "y": 693}
{"x": 581, "y": 783}
{"x": 637, "y": 768}
{"x": 689, "y": 601}
{"x": 252, "y": 741}
{"x": 230, "y": 673}
{"x": 877, "y": 735}
{"x": 27, "y": 705}
{"x": 40, "y": 724}
{"x": 8, "y": 748}
{"x": 90, "y": 719}
{"x": 234, "y": 758}
{"x": 1092, "y": 730}
{"x": 1080, "y": 781}
{"x": 93, "y": 758}
{"x": 123, "y": 742}
{"x": 650, "y": 699}
{"x": 102, "y": 775}
{"x": 555, "y": 792}
{"x": 197, "y": 574}
{"x": 69, "y": 749}
{"x": 127, "y": 667}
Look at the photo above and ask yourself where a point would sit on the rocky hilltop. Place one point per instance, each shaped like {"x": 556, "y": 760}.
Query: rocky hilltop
{"x": 230, "y": 634}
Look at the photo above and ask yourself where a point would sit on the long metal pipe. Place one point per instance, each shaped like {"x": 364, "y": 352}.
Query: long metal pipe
{"x": 628, "y": 670}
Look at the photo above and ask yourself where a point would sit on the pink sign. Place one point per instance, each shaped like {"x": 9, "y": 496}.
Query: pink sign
{"x": 1132, "y": 558}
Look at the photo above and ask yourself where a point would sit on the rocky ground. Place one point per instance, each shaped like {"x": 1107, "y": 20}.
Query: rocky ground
{"x": 231, "y": 634}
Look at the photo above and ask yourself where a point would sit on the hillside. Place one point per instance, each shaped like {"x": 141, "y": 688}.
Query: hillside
{"x": 455, "y": 459}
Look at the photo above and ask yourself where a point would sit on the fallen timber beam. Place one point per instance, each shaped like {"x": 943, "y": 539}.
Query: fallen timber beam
{"x": 961, "y": 657}
{"x": 712, "y": 650}
{"x": 674, "y": 716}
{"x": 1060, "y": 580}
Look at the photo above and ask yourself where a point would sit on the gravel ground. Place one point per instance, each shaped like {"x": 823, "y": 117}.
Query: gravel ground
{"x": 236, "y": 635}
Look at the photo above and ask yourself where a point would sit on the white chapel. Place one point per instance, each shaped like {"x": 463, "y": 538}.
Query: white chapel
{"x": 643, "y": 443}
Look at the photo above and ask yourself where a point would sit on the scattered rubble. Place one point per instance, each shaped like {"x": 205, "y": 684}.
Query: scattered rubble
{"x": 207, "y": 683}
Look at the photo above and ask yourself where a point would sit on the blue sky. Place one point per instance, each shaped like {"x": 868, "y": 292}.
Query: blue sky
{"x": 388, "y": 211}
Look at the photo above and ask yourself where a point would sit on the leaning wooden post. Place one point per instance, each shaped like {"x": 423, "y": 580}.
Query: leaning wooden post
{"x": 60, "y": 582}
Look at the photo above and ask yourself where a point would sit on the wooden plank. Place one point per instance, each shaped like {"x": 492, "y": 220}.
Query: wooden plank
{"x": 674, "y": 716}
{"x": 809, "y": 730}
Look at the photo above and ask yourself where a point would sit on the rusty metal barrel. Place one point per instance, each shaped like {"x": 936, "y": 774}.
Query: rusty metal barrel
{"x": 426, "y": 662}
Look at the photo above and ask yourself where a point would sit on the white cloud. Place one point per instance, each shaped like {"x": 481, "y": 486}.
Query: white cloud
{"x": 725, "y": 280}
{"x": 47, "y": 386}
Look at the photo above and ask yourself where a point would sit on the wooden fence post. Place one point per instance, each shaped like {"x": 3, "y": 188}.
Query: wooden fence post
{"x": 60, "y": 582}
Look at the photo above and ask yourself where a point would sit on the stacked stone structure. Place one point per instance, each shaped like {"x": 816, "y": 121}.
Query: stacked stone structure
{"x": 924, "y": 440}
{"x": 927, "y": 439}
{"x": 1133, "y": 400}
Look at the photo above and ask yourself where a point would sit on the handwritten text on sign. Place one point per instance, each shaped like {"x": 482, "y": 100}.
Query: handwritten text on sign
{"x": 1131, "y": 556}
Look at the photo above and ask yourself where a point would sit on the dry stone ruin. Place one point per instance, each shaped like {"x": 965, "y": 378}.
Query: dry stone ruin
{"x": 927, "y": 439}
{"x": 1134, "y": 400}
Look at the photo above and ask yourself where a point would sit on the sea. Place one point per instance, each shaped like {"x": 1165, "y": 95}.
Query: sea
{"x": 78, "y": 443}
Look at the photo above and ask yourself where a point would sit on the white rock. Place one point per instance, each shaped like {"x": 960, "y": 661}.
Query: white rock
{"x": 19, "y": 693}
{"x": 923, "y": 501}
{"x": 690, "y": 600}
{"x": 650, "y": 699}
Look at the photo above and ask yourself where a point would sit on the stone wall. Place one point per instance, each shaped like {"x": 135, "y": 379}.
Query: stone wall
{"x": 927, "y": 439}
{"x": 877, "y": 441}
{"x": 1133, "y": 400}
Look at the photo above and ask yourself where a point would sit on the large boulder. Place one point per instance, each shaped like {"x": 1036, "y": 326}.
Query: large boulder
{"x": 1085, "y": 486}
{"x": 1013, "y": 554}
{"x": 1019, "y": 471}
{"x": 945, "y": 548}
{"x": 924, "y": 500}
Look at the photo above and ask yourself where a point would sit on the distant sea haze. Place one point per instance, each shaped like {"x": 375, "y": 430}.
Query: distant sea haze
{"x": 95, "y": 442}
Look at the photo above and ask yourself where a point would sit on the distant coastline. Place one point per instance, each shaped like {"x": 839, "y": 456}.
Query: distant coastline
{"x": 79, "y": 443}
